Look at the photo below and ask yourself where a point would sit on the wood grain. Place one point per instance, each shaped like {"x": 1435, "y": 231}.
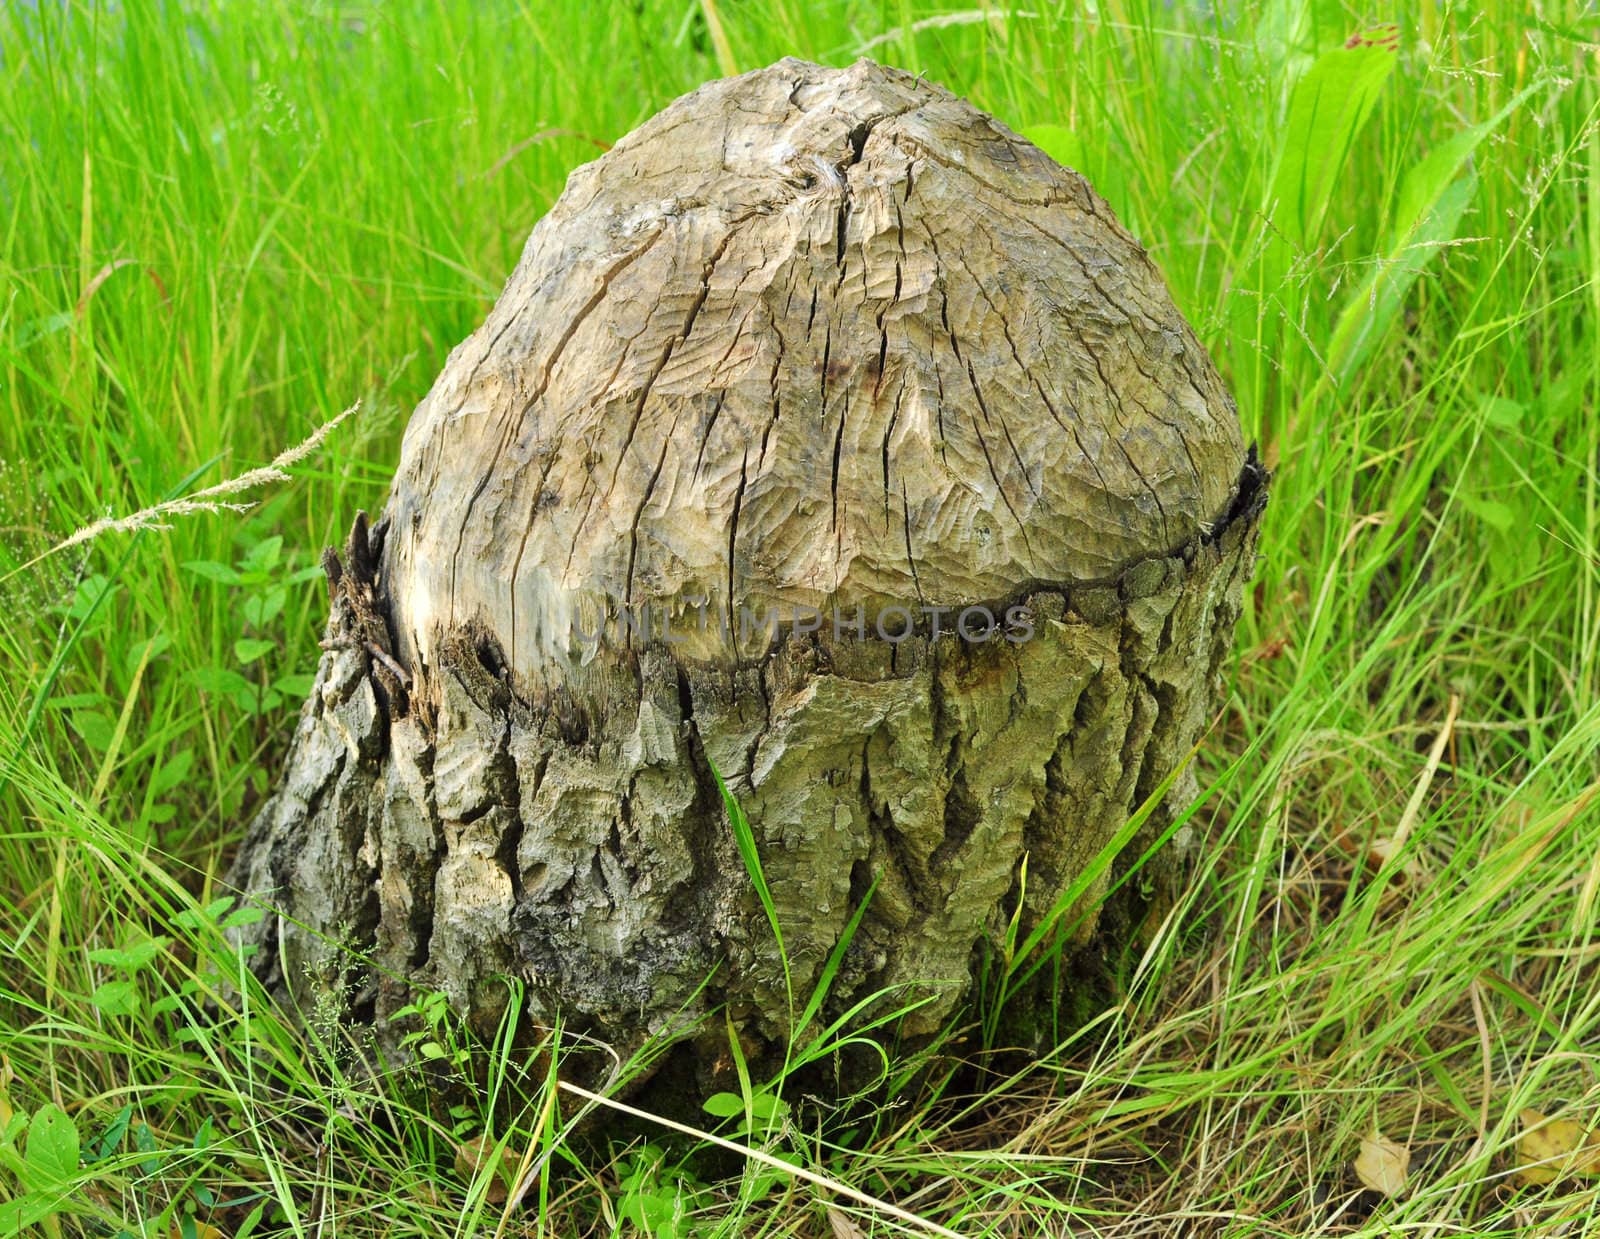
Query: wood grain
{"x": 808, "y": 339}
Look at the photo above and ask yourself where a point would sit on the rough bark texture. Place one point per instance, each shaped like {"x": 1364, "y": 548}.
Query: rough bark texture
{"x": 810, "y": 338}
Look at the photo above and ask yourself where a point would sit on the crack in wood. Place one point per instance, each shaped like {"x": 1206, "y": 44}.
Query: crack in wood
{"x": 472, "y": 798}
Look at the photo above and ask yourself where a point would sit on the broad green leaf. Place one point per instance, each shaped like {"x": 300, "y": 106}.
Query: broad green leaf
{"x": 262, "y": 608}
{"x": 765, "y": 1106}
{"x": 1288, "y": 35}
{"x": 654, "y": 1213}
{"x": 723, "y": 1105}
{"x": 95, "y": 728}
{"x": 193, "y": 918}
{"x": 117, "y": 998}
{"x": 1375, "y": 303}
{"x": 131, "y": 956}
{"x": 16, "y": 1216}
{"x": 295, "y": 686}
{"x": 264, "y": 555}
{"x": 1502, "y": 413}
{"x": 144, "y": 1141}
{"x": 247, "y": 915}
{"x": 213, "y": 571}
{"x": 1327, "y": 110}
{"x": 38, "y": 328}
{"x": 220, "y": 680}
{"x": 110, "y": 1139}
{"x": 52, "y": 1155}
{"x": 1427, "y": 216}
{"x": 92, "y": 591}
{"x": 1423, "y": 186}
{"x": 172, "y": 772}
{"x": 270, "y": 701}
{"x": 146, "y": 651}
{"x": 75, "y": 701}
{"x": 248, "y": 649}
{"x": 251, "y": 1221}
{"x": 1490, "y": 511}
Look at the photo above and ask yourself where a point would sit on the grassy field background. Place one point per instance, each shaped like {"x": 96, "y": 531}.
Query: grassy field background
{"x": 224, "y": 223}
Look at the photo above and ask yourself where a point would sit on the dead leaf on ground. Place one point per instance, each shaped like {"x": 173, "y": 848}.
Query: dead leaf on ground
{"x": 473, "y": 1155}
{"x": 1371, "y": 855}
{"x": 1382, "y": 1165}
{"x": 843, "y": 1227}
{"x": 1381, "y": 851}
{"x": 1549, "y": 1148}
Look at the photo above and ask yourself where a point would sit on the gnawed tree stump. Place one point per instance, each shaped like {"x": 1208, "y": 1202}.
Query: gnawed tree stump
{"x": 828, "y": 347}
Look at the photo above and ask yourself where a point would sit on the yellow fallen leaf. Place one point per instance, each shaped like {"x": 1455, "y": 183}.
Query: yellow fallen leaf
{"x": 1382, "y": 1165}
{"x": 1549, "y": 1148}
{"x": 202, "y": 1230}
{"x": 473, "y": 1155}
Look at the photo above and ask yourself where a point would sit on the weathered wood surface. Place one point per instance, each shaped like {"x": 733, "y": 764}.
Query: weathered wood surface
{"x": 809, "y": 338}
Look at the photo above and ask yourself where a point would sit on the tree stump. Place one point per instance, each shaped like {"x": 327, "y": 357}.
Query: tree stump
{"x": 828, "y": 434}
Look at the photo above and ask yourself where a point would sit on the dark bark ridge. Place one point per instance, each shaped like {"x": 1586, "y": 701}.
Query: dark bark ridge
{"x": 809, "y": 338}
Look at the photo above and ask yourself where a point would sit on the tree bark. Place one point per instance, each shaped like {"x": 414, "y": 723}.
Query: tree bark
{"x": 824, "y": 345}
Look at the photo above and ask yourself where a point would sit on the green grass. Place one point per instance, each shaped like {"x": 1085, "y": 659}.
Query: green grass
{"x": 223, "y": 224}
